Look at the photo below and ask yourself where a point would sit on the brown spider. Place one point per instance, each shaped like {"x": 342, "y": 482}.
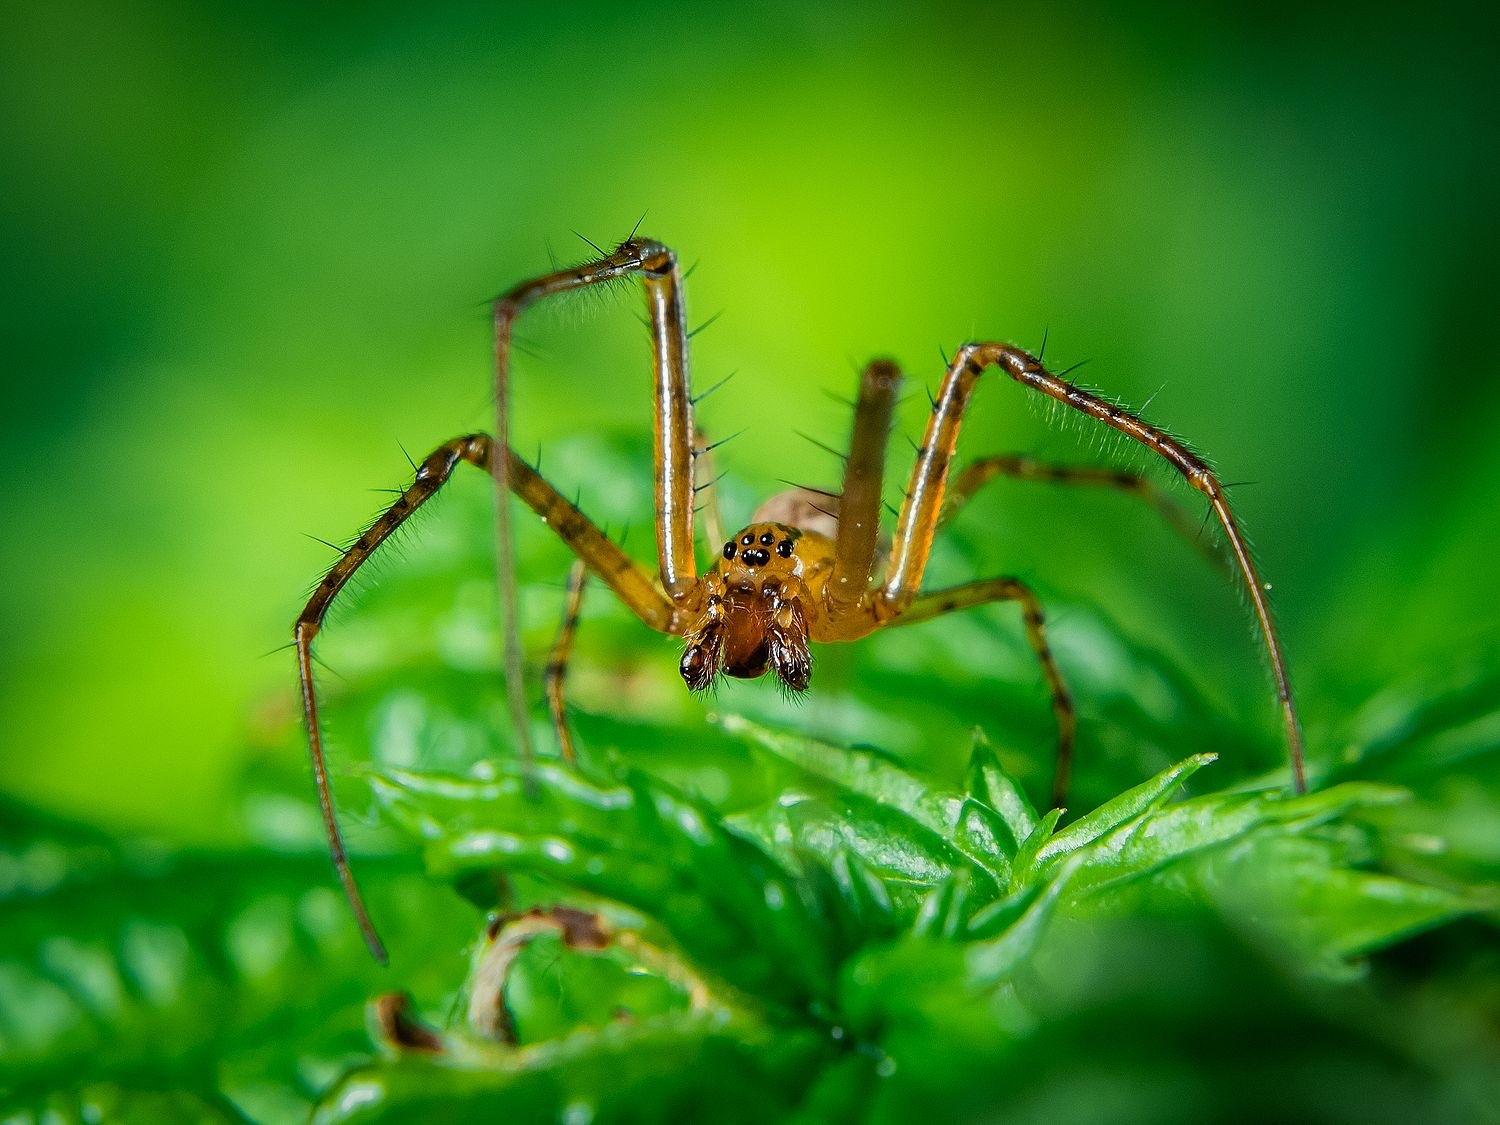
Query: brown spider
{"x": 806, "y": 568}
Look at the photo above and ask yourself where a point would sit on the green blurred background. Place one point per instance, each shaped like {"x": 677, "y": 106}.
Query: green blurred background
{"x": 246, "y": 250}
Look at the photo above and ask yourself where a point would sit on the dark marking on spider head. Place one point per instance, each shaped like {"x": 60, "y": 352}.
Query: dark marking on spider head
{"x": 761, "y": 553}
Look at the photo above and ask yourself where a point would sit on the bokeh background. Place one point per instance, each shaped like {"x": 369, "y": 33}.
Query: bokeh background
{"x": 245, "y": 255}
{"x": 245, "y": 251}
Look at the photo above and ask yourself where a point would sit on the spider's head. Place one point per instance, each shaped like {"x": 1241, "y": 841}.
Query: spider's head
{"x": 753, "y": 621}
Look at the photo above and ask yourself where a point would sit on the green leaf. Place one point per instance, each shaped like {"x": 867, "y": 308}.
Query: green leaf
{"x": 805, "y": 832}
{"x": 1141, "y": 846}
{"x": 989, "y": 784}
{"x": 1031, "y": 847}
{"x": 1299, "y": 893}
{"x": 121, "y": 1104}
{"x": 864, "y": 773}
{"x": 148, "y": 971}
{"x": 722, "y": 898}
{"x": 670, "y": 1068}
{"x": 1110, "y": 815}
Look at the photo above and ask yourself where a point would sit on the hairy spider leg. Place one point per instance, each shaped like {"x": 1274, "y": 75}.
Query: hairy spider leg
{"x": 630, "y": 582}
{"x": 1022, "y": 467}
{"x": 673, "y": 431}
{"x": 924, "y": 497}
{"x": 864, "y": 476}
{"x": 855, "y": 608}
{"x": 557, "y": 661}
{"x": 938, "y": 602}
{"x": 851, "y": 590}
{"x": 962, "y": 488}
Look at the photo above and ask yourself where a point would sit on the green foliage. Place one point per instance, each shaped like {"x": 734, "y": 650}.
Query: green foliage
{"x": 852, "y": 942}
{"x": 138, "y": 985}
{"x": 862, "y": 915}
{"x": 780, "y": 926}
{"x": 787, "y": 928}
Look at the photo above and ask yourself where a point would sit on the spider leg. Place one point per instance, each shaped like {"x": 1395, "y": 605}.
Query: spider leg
{"x": 864, "y": 474}
{"x": 924, "y": 498}
{"x": 973, "y": 477}
{"x": 657, "y": 266}
{"x": 557, "y": 662}
{"x": 938, "y": 602}
{"x": 628, "y": 580}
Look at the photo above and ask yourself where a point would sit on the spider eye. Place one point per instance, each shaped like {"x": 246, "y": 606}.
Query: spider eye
{"x": 784, "y": 548}
{"x": 767, "y": 539}
{"x": 747, "y": 539}
{"x": 729, "y": 549}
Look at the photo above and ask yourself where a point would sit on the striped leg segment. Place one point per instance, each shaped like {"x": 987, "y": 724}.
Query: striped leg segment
{"x": 935, "y": 604}
{"x": 864, "y": 475}
{"x": 432, "y": 474}
{"x": 974, "y": 476}
{"x": 628, "y": 580}
{"x": 924, "y": 500}
{"x": 657, "y": 266}
{"x": 557, "y": 662}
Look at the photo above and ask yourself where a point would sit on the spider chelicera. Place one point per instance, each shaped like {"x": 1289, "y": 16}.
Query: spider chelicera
{"x": 807, "y": 568}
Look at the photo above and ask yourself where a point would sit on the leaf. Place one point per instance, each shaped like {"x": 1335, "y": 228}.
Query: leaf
{"x": 805, "y": 832}
{"x": 120, "y": 1104}
{"x": 1299, "y": 893}
{"x": 990, "y": 961}
{"x": 119, "y": 961}
{"x": 867, "y": 774}
{"x": 989, "y": 784}
{"x": 671, "y": 1068}
{"x": 1141, "y": 846}
{"x": 1110, "y": 815}
{"x": 1031, "y": 847}
{"x": 723, "y": 899}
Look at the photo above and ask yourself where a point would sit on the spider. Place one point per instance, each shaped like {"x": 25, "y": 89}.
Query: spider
{"x": 806, "y": 569}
